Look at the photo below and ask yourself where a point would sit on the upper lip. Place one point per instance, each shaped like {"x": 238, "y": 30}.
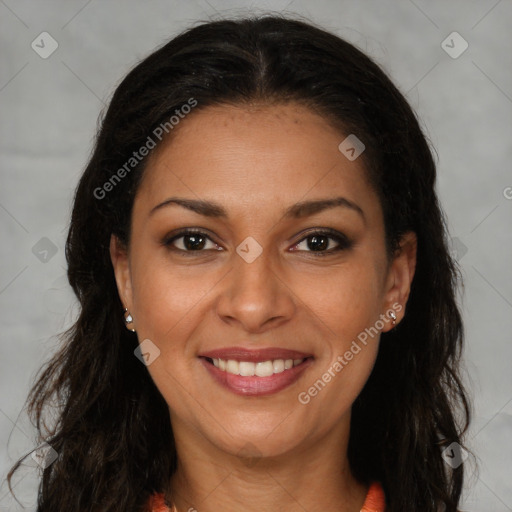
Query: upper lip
{"x": 254, "y": 355}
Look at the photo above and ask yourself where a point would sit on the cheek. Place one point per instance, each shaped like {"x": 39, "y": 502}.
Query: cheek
{"x": 170, "y": 306}
{"x": 332, "y": 391}
{"x": 348, "y": 311}
{"x": 347, "y": 305}
{"x": 346, "y": 300}
{"x": 165, "y": 297}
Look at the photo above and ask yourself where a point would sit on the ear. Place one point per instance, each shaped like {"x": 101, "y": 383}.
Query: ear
{"x": 121, "y": 264}
{"x": 400, "y": 276}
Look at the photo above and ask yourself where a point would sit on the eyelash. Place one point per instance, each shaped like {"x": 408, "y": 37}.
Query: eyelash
{"x": 343, "y": 243}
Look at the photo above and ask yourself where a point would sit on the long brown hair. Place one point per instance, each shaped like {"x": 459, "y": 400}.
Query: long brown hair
{"x": 113, "y": 434}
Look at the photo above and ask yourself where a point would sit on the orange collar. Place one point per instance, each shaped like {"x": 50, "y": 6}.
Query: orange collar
{"x": 375, "y": 500}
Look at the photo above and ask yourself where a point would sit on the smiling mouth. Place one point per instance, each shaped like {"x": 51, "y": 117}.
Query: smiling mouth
{"x": 255, "y": 369}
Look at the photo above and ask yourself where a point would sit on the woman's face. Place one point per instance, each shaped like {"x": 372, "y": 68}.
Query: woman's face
{"x": 286, "y": 261}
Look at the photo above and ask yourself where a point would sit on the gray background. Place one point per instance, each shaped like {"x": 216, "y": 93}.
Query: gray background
{"x": 49, "y": 112}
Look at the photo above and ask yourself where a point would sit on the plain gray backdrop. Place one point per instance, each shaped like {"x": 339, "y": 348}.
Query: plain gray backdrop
{"x": 50, "y": 104}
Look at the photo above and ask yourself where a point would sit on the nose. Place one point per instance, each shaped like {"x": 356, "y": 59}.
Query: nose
{"x": 254, "y": 296}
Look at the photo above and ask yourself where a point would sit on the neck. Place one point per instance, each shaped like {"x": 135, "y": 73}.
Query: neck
{"x": 314, "y": 477}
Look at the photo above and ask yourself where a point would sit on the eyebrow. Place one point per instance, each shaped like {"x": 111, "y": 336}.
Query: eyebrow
{"x": 298, "y": 210}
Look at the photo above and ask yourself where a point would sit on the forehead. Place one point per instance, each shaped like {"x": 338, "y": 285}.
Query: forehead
{"x": 258, "y": 155}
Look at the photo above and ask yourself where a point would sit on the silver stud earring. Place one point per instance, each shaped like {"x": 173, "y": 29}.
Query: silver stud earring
{"x": 392, "y": 314}
{"x": 128, "y": 319}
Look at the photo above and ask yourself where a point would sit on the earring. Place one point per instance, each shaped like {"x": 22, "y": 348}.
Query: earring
{"x": 392, "y": 314}
{"x": 128, "y": 319}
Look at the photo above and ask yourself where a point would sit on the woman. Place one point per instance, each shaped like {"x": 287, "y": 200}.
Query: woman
{"x": 268, "y": 315}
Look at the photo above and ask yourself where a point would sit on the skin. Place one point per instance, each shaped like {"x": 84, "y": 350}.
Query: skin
{"x": 252, "y": 453}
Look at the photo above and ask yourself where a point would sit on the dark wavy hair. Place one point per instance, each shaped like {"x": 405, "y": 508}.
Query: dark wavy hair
{"x": 112, "y": 433}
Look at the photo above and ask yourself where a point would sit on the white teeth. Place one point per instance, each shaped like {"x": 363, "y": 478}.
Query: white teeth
{"x": 232, "y": 367}
{"x": 278, "y": 366}
{"x": 246, "y": 369}
{"x": 265, "y": 369}
{"x": 260, "y": 369}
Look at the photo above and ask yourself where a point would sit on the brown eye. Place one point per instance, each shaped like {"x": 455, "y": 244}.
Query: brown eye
{"x": 323, "y": 242}
{"x": 318, "y": 243}
{"x": 194, "y": 242}
{"x": 191, "y": 241}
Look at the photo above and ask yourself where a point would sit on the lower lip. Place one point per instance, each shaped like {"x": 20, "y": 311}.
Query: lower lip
{"x": 256, "y": 386}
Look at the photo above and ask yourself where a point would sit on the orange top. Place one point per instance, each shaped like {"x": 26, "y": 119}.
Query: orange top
{"x": 374, "y": 502}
